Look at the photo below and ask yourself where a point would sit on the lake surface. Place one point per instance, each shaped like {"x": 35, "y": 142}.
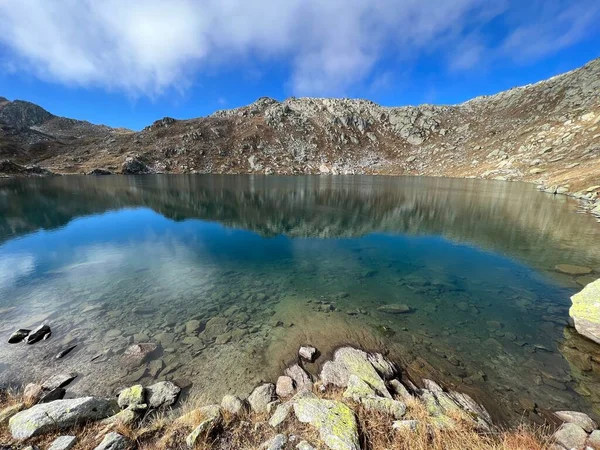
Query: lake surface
{"x": 230, "y": 274}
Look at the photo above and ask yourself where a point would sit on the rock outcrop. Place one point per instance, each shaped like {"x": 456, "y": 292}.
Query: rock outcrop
{"x": 585, "y": 311}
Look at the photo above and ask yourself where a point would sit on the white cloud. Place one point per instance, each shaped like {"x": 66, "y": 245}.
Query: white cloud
{"x": 146, "y": 47}
{"x": 15, "y": 267}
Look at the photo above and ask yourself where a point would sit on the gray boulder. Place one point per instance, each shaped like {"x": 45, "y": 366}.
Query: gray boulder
{"x": 233, "y": 405}
{"x": 301, "y": 378}
{"x": 570, "y": 436}
{"x": 133, "y": 166}
{"x": 578, "y": 418}
{"x": 41, "y": 332}
{"x": 276, "y": 443}
{"x": 585, "y": 311}
{"x": 162, "y": 394}
{"x": 114, "y": 441}
{"x": 58, "y": 415}
{"x": 63, "y": 443}
{"x": 261, "y": 396}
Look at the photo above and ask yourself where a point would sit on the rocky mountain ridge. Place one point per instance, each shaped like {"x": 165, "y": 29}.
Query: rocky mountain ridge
{"x": 548, "y": 133}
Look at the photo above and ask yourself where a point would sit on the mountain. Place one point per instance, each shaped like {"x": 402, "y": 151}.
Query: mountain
{"x": 548, "y": 133}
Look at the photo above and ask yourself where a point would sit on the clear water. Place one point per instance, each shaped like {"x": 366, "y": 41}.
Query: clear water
{"x": 277, "y": 262}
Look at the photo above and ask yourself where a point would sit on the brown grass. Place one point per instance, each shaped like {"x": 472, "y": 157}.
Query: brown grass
{"x": 162, "y": 431}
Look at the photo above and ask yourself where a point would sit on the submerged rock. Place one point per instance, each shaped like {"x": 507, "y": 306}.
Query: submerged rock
{"x": 58, "y": 415}
{"x": 38, "y": 334}
{"x": 137, "y": 354}
{"x": 585, "y": 311}
{"x": 571, "y": 269}
{"x": 18, "y": 336}
{"x": 396, "y": 308}
{"x": 307, "y": 353}
{"x": 334, "y": 420}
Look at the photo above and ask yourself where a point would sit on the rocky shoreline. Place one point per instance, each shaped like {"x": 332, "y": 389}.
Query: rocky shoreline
{"x": 354, "y": 391}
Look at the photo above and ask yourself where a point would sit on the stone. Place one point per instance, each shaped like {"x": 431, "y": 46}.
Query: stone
{"x": 162, "y": 394}
{"x": 571, "y": 269}
{"x": 133, "y": 166}
{"x": 233, "y": 405}
{"x": 307, "y": 353}
{"x": 192, "y": 326}
{"x": 571, "y": 436}
{"x": 281, "y": 414}
{"x": 211, "y": 417}
{"x": 405, "y": 425}
{"x": 303, "y": 445}
{"x": 386, "y": 369}
{"x": 361, "y": 392}
{"x": 284, "y": 387}
{"x": 578, "y": 418}
{"x": 350, "y": 361}
{"x": 396, "y": 308}
{"x": 127, "y": 416}
{"x": 65, "y": 352}
{"x": 301, "y": 379}
{"x": 261, "y": 396}
{"x": 54, "y": 394}
{"x": 334, "y": 420}
{"x": 137, "y": 354}
{"x": 9, "y": 411}
{"x": 18, "y": 336}
{"x": 400, "y": 390}
{"x": 32, "y": 393}
{"x": 114, "y": 441}
{"x": 585, "y": 311}
{"x": 135, "y": 395}
{"x": 58, "y": 415}
{"x": 38, "y": 334}
{"x": 594, "y": 439}
{"x": 276, "y": 443}
{"x": 63, "y": 443}
{"x": 58, "y": 381}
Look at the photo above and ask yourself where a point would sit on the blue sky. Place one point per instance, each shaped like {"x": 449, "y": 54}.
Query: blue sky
{"x": 130, "y": 63}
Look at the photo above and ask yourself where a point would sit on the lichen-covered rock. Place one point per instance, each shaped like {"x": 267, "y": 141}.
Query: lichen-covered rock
{"x": 210, "y": 418}
{"x": 349, "y": 361}
{"x": 63, "y": 443}
{"x": 571, "y": 436}
{"x": 361, "y": 392}
{"x": 135, "y": 395}
{"x": 58, "y": 415}
{"x": 578, "y": 418}
{"x": 281, "y": 414}
{"x": 9, "y": 411}
{"x": 162, "y": 394}
{"x": 233, "y": 405}
{"x": 114, "y": 441}
{"x": 334, "y": 420}
{"x": 261, "y": 396}
{"x": 585, "y": 311}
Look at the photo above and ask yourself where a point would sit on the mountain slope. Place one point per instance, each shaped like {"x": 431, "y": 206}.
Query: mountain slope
{"x": 548, "y": 132}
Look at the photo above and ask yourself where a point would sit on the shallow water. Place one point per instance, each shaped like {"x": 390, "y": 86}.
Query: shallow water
{"x": 266, "y": 264}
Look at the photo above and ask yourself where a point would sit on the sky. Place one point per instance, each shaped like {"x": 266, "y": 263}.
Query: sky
{"x": 129, "y": 63}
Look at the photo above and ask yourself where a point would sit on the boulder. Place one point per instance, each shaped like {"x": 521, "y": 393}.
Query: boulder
{"x": 114, "y": 441}
{"x": 578, "y": 418}
{"x": 211, "y": 417}
{"x": 162, "y": 394}
{"x": 281, "y": 414}
{"x": 18, "y": 336}
{"x": 99, "y": 171}
{"x": 284, "y": 387}
{"x": 275, "y": 443}
{"x": 301, "y": 379}
{"x": 233, "y": 405}
{"x": 585, "y": 311}
{"x": 350, "y": 361}
{"x": 261, "y": 396}
{"x": 63, "y": 443}
{"x": 594, "y": 439}
{"x": 571, "y": 436}
{"x": 38, "y": 334}
{"x": 32, "y": 393}
{"x": 362, "y": 393}
{"x": 307, "y": 353}
{"x": 58, "y": 381}
{"x": 58, "y": 415}
{"x": 334, "y": 420}
{"x": 135, "y": 395}
{"x": 133, "y": 166}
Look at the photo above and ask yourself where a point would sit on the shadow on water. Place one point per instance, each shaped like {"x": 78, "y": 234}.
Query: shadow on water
{"x": 230, "y": 274}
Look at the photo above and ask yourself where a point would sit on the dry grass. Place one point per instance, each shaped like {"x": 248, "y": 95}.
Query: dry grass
{"x": 168, "y": 430}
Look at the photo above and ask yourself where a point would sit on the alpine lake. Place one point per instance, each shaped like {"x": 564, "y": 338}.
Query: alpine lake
{"x": 454, "y": 279}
